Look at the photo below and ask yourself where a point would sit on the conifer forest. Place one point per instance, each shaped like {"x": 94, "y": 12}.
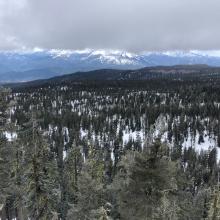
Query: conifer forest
{"x": 145, "y": 149}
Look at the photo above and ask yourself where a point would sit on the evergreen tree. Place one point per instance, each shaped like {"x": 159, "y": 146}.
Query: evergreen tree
{"x": 144, "y": 181}
{"x": 90, "y": 193}
{"x": 40, "y": 173}
{"x": 7, "y": 157}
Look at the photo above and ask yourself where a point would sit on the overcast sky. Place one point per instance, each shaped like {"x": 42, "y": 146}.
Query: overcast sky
{"x": 131, "y": 25}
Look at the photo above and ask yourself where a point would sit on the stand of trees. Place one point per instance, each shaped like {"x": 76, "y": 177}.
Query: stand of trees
{"x": 109, "y": 152}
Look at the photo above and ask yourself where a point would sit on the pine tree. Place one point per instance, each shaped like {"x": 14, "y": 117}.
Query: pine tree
{"x": 142, "y": 183}
{"x": 59, "y": 149}
{"x": 73, "y": 167}
{"x": 40, "y": 174}
{"x": 90, "y": 191}
{"x": 7, "y": 156}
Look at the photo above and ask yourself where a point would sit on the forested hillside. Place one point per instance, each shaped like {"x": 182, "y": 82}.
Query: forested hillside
{"x": 111, "y": 149}
{"x": 180, "y": 72}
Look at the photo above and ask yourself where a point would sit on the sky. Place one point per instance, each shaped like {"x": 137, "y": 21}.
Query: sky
{"x": 129, "y": 25}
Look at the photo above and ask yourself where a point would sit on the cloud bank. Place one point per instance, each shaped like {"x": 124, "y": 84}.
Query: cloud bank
{"x": 131, "y": 25}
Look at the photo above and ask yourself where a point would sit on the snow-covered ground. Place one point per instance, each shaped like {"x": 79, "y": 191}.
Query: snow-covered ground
{"x": 209, "y": 141}
{"x": 208, "y": 144}
{"x": 10, "y": 135}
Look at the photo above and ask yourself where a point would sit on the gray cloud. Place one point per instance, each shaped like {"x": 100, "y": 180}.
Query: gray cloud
{"x": 133, "y": 25}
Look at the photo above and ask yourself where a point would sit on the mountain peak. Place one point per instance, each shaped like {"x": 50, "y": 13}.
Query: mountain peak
{"x": 38, "y": 63}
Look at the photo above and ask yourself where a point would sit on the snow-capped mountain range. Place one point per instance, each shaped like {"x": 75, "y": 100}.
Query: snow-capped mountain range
{"x": 38, "y": 64}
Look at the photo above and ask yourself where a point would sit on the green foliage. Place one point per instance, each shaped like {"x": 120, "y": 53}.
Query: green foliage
{"x": 39, "y": 172}
{"x": 90, "y": 191}
{"x": 79, "y": 155}
{"x": 144, "y": 183}
{"x": 7, "y": 155}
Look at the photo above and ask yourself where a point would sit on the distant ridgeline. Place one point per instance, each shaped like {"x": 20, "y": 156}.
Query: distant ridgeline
{"x": 112, "y": 144}
{"x": 42, "y": 64}
{"x": 173, "y": 73}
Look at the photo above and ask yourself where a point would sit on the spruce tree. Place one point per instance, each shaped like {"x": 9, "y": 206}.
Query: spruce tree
{"x": 143, "y": 183}
{"x": 40, "y": 173}
{"x": 7, "y": 157}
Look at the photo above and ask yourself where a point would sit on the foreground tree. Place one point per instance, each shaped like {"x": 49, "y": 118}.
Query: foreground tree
{"x": 90, "y": 190}
{"x": 145, "y": 184}
{"x": 7, "y": 158}
{"x": 40, "y": 174}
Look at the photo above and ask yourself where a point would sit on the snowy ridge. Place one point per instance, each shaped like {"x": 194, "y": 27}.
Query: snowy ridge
{"x": 38, "y": 63}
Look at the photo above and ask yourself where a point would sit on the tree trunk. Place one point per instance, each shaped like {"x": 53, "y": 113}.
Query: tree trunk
{"x": 20, "y": 212}
{"x": 2, "y": 213}
{"x": 214, "y": 217}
